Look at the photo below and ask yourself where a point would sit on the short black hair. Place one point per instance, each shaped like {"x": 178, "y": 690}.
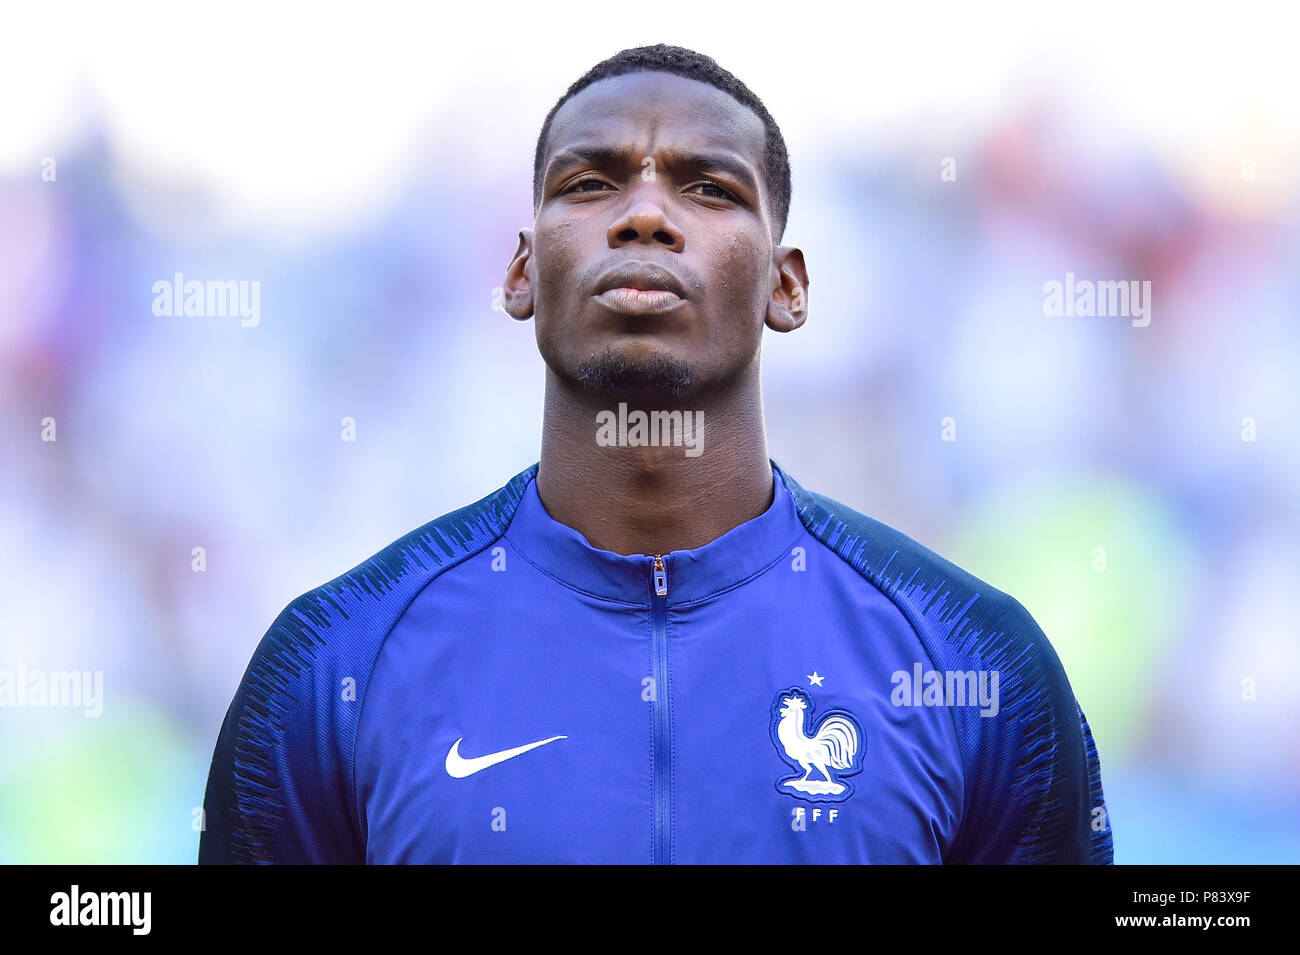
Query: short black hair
{"x": 696, "y": 66}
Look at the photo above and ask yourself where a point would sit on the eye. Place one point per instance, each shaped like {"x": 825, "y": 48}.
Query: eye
{"x": 725, "y": 194}
{"x": 577, "y": 186}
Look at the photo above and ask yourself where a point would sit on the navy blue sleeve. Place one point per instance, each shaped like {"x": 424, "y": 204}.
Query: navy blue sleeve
{"x": 279, "y": 789}
{"x": 1033, "y": 775}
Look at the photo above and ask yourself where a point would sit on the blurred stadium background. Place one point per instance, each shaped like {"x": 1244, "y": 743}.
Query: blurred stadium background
{"x": 371, "y": 171}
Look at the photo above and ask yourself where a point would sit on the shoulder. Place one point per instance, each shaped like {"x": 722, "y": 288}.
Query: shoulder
{"x": 281, "y": 785}
{"x": 1028, "y": 769}
{"x": 944, "y": 603}
{"x": 358, "y": 607}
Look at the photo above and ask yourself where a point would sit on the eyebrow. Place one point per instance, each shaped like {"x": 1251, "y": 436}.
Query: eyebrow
{"x": 611, "y": 156}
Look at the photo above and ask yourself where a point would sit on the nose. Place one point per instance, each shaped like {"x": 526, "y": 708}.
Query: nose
{"x": 646, "y": 221}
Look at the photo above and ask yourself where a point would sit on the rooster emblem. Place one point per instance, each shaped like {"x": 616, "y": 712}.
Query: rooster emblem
{"x": 834, "y": 749}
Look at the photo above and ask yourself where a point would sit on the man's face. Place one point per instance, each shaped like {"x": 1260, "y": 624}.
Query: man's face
{"x": 656, "y": 171}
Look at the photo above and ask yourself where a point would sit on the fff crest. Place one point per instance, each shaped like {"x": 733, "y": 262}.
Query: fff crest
{"x": 826, "y": 752}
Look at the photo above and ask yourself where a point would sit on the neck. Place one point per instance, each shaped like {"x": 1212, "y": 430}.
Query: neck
{"x": 653, "y": 500}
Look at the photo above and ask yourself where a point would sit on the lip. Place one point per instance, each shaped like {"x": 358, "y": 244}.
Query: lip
{"x": 634, "y": 301}
{"x": 640, "y": 276}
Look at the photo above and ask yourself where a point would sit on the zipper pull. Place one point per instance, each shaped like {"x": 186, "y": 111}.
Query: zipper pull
{"x": 661, "y": 577}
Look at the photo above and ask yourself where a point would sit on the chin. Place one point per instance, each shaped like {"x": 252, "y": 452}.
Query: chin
{"x": 635, "y": 369}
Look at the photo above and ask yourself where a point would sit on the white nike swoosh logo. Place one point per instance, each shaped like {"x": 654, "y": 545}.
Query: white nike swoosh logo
{"x": 458, "y": 767}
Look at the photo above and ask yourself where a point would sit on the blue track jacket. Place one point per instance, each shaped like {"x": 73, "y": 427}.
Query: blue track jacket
{"x": 811, "y": 687}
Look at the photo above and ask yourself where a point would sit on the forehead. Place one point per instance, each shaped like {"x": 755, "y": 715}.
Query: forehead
{"x": 648, "y": 110}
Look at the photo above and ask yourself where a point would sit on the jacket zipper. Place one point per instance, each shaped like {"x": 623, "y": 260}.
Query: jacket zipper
{"x": 663, "y": 793}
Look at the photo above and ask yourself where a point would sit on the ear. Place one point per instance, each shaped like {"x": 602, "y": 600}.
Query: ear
{"x": 517, "y": 289}
{"x": 787, "y": 309}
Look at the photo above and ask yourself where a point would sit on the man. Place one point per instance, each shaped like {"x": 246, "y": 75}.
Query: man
{"x": 654, "y": 645}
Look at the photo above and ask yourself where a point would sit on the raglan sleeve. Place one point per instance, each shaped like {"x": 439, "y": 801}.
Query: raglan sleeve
{"x": 279, "y": 788}
{"x": 1034, "y": 775}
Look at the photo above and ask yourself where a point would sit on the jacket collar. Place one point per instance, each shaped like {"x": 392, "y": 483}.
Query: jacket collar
{"x": 739, "y": 555}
